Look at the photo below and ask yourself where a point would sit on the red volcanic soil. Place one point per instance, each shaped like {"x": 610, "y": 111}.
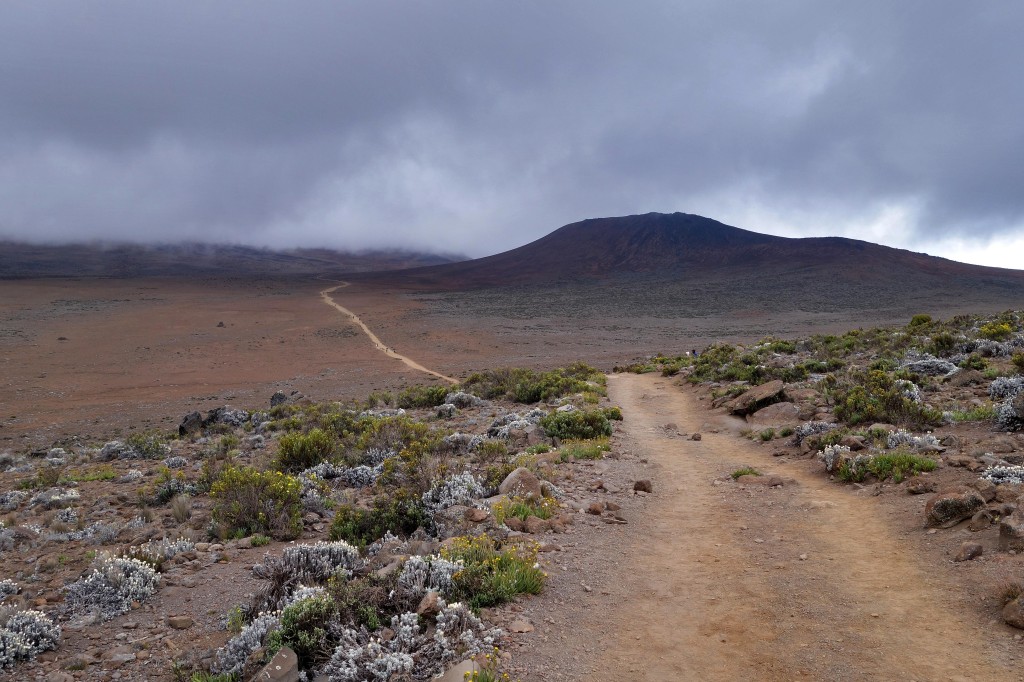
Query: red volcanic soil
{"x": 92, "y": 357}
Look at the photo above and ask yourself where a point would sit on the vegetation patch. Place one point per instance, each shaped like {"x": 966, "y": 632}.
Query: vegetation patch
{"x": 577, "y": 425}
{"x": 248, "y": 501}
{"x": 529, "y": 386}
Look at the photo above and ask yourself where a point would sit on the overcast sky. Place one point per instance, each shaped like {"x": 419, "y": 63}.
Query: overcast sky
{"x": 475, "y": 126}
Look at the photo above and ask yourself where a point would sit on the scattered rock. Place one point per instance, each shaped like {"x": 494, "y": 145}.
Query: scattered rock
{"x": 920, "y": 486}
{"x": 476, "y": 515}
{"x": 968, "y": 551}
{"x": 520, "y": 626}
{"x": 595, "y": 508}
{"x": 190, "y": 423}
{"x": 985, "y": 488}
{"x": 279, "y": 398}
{"x": 695, "y": 436}
{"x": 777, "y": 414}
{"x": 982, "y": 520}
{"x": 1011, "y": 533}
{"x": 179, "y": 622}
{"x": 430, "y": 605}
{"x": 945, "y": 510}
{"x": 521, "y": 482}
{"x": 283, "y": 667}
{"x": 757, "y": 398}
{"x": 644, "y": 486}
{"x": 459, "y": 672}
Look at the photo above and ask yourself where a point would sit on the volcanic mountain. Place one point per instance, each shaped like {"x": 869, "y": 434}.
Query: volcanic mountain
{"x": 681, "y": 245}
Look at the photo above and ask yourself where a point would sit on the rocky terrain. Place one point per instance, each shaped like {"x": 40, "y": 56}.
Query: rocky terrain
{"x": 341, "y": 533}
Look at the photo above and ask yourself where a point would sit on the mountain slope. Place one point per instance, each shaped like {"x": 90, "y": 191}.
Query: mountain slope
{"x": 20, "y": 260}
{"x": 683, "y": 246}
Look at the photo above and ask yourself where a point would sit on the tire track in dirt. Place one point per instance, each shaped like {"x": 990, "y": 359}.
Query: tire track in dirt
{"x": 799, "y": 582}
{"x": 377, "y": 343}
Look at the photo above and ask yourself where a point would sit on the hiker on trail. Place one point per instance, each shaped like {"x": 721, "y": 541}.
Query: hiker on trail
{"x": 695, "y": 353}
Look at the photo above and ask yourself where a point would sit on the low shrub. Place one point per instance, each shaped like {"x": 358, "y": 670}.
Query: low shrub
{"x": 113, "y": 585}
{"x": 422, "y": 396}
{"x": 400, "y": 513}
{"x": 613, "y": 413}
{"x": 876, "y": 396}
{"x": 490, "y": 575}
{"x": 299, "y": 451}
{"x": 1018, "y": 362}
{"x": 895, "y": 465}
{"x": 522, "y": 508}
{"x": 148, "y": 444}
{"x": 996, "y": 331}
{"x": 247, "y": 501}
{"x": 304, "y": 627}
{"x": 584, "y": 449}
{"x": 920, "y": 320}
{"x": 529, "y": 386}
{"x": 766, "y": 434}
{"x": 745, "y": 471}
{"x": 576, "y": 425}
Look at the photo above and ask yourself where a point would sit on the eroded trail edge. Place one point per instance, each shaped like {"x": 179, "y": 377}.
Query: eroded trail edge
{"x": 732, "y": 582}
{"x": 377, "y": 343}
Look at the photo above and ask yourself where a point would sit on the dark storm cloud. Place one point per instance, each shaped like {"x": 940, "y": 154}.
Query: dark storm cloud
{"x": 475, "y": 126}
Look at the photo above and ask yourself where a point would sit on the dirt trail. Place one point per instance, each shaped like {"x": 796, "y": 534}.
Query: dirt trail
{"x": 803, "y": 581}
{"x": 377, "y": 343}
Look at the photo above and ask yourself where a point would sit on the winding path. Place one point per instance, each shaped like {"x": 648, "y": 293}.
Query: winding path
{"x": 377, "y": 343}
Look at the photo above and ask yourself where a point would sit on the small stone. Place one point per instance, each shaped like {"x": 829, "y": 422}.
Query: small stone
{"x": 968, "y": 551}
{"x": 520, "y": 626}
{"x": 475, "y": 515}
{"x": 802, "y": 557}
{"x": 644, "y": 486}
{"x": 695, "y": 436}
{"x": 179, "y": 622}
{"x": 430, "y": 605}
{"x": 595, "y": 508}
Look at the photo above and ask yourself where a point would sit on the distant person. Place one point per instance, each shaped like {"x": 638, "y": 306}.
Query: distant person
{"x": 695, "y": 353}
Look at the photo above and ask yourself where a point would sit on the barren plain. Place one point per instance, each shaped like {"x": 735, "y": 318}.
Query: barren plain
{"x": 706, "y": 578}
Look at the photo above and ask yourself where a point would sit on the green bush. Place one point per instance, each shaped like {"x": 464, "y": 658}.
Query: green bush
{"x": 401, "y": 513}
{"x": 147, "y": 444}
{"x": 942, "y": 344}
{"x": 522, "y": 508}
{"x": 528, "y": 386}
{"x": 1018, "y": 362}
{"x": 613, "y": 413}
{"x": 299, "y": 451}
{"x": 248, "y": 501}
{"x": 895, "y": 465}
{"x": 974, "y": 361}
{"x": 996, "y": 331}
{"x": 492, "y": 575}
{"x": 745, "y": 471}
{"x": 875, "y": 396}
{"x": 576, "y": 425}
{"x": 584, "y": 449}
{"x": 920, "y": 320}
{"x": 304, "y": 627}
{"x": 422, "y": 396}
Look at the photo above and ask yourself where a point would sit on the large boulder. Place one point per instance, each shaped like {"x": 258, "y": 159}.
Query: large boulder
{"x": 777, "y": 414}
{"x": 521, "y": 483}
{"x": 945, "y": 510}
{"x": 758, "y": 397}
{"x": 190, "y": 423}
